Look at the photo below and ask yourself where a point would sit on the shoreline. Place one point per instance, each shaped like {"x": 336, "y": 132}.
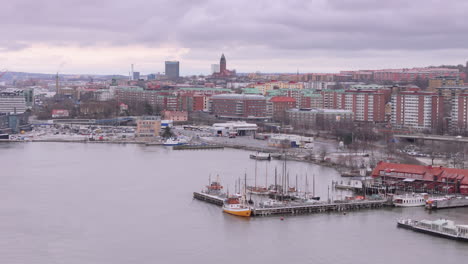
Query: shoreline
{"x": 337, "y": 167}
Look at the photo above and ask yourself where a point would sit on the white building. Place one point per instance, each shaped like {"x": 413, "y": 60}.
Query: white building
{"x": 12, "y": 102}
{"x": 239, "y": 128}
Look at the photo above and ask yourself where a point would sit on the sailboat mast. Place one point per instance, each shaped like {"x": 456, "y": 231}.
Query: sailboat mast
{"x": 313, "y": 184}
{"x": 296, "y": 183}
{"x": 276, "y": 183}
{"x": 255, "y": 181}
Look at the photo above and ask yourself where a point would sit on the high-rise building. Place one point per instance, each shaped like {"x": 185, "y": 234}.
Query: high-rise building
{"x": 172, "y": 69}
{"x": 12, "y": 102}
{"x": 459, "y": 120}
{"x": 136, "y": 76}
{"x": 417, "y": 110}
{"x": 222, "y": 64}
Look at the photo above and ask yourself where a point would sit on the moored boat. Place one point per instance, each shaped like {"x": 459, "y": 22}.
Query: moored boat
{"x": 261, "y": 156}
{"x": 442, "y": 228}
{"x": 235, "y": 205}
{"x": 175, "y": 142}
{"x": 412, "y": 200}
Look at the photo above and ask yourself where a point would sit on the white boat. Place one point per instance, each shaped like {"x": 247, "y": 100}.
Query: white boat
{"x": 410, "y": 200}
{"x": 175, "y": 142}
{"x": 442, "y": 228}
{"x": 272, "y": 203}
{"x": 261, "y": 156}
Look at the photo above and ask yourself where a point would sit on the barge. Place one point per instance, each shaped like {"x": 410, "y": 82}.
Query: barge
{"x": 441, "y": 228}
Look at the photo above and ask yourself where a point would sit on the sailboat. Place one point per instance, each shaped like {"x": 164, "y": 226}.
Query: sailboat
{"x": 258, "y": 190}
{"x": 237, "y": 205}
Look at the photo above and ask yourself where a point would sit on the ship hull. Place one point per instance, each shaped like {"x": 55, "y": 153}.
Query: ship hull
{"x": 238, "y": 212}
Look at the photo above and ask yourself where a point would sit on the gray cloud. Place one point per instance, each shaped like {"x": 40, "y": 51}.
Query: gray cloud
{"x": 276, "y": 27}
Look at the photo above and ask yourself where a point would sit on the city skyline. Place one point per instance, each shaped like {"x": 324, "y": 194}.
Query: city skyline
{"x": 284, "y": 37}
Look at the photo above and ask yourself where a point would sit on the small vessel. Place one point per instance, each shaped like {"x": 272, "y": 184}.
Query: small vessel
{"x": 257, "y": 190}
{"x": 410, "y": 200}
{"x": 235, "y": 205}
{"x": 214, "y": 187}
{"x": 175, "y": 142}
{"x": 261, "y": 156}
{"x": 442, "y": 228}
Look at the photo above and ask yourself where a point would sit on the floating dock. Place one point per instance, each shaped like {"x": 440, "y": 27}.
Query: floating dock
{"x": 300, "y": 208}
{"x": 192, "y": 147}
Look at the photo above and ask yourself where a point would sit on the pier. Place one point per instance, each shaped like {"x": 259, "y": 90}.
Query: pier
{"x": 319, "y": 208}
{"x": 294, "y": 209}
{"x": 208, "y": 198}
{"x": 194, "y": 147}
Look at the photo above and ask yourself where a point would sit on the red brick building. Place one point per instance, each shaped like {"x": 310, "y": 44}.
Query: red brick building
{"x": 422, "y": 178}
{"x": 239, "y": 106}
{"x": 279, "y": 106}
{"x": 367, "y": 105}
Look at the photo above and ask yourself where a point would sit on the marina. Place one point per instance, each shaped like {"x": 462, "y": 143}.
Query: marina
{"x": 297, "y": 208}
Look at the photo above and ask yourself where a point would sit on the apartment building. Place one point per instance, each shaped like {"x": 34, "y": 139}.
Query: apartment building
{"x": 417, "y": 110}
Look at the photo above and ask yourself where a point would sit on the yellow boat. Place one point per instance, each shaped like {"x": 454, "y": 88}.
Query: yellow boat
{"x": 233, "y": 206}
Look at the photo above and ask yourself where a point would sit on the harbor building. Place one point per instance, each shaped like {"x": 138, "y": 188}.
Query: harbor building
{"x": 238, "y": 128}
{"x": 14, "y": 123}
{"x": 422, "y": 178}
{"x": 148, "y": 126}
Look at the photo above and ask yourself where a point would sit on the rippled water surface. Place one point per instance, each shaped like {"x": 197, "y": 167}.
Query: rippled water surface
{"x": 102, "y": 203}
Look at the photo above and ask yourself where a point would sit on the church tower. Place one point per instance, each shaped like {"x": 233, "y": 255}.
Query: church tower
{"x": 222, "y": 64}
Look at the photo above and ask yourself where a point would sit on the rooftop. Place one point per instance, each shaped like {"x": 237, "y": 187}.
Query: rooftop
{"x": 239, "y": 96}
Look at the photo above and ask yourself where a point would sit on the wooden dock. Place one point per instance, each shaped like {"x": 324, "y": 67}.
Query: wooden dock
{"x": 300, "y": 208}
{"x": 193, "y": 147}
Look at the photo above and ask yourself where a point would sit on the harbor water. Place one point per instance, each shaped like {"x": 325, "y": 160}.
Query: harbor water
{"x": 81, "y": 203}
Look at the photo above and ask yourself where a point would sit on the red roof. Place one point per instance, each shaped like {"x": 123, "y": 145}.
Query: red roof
{"x": 282, "y": 99}
{"x": 420, "y": 172}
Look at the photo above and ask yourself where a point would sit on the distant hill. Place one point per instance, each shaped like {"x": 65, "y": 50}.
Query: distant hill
{"x": 11, "y": 76}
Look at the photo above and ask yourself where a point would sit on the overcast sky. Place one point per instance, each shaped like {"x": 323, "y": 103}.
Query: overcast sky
{"x": 106, "y": 36}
